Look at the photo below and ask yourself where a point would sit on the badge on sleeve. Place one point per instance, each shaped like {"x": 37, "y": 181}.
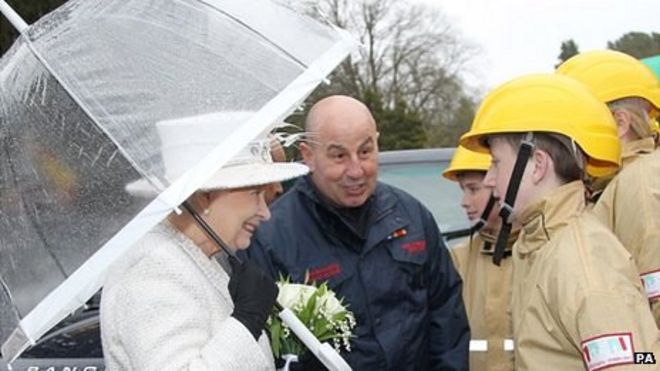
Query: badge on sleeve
{"x": 608, "y": 350}
{"x": 651, "y": 281}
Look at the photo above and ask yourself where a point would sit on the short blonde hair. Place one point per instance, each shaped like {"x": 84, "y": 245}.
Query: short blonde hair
{"x": 638, "y": 108}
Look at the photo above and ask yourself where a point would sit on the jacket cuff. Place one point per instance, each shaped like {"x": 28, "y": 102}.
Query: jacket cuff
{"x": 234, "y": 348}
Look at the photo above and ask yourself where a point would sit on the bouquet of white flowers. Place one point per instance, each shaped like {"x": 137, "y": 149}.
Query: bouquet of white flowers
{"x": 319, "y": 310}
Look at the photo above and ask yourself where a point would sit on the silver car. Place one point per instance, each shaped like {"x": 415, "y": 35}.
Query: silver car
{"x": 419, "y": 172}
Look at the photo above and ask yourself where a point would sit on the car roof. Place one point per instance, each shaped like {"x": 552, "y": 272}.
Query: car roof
{"x": 416, "y": 155}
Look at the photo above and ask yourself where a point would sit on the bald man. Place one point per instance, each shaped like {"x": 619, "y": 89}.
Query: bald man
{"x": 375, "y": 246}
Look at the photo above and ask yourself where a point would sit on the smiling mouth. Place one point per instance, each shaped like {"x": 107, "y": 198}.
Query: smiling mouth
{"x": 249, "y": 227}
{"x": 355, "y": 189}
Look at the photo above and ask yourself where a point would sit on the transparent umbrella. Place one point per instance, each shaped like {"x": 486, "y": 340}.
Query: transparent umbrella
{"x": 80, "y": 93}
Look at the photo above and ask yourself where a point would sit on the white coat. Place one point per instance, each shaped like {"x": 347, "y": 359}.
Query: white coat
{"x": 166, "y": 306}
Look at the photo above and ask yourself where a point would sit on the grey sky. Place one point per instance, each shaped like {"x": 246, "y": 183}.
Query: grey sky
{"x": 516, "y": 37}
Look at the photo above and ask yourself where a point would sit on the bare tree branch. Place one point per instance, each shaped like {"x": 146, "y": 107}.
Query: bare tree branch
{"x": 410, "y": 54}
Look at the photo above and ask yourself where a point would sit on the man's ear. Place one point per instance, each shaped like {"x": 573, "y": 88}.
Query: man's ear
{"x": 307, "y": 154}
{"x": 542, "y": 164}
{"x": 201, "y": 200}
{"x": 623, "y": 122}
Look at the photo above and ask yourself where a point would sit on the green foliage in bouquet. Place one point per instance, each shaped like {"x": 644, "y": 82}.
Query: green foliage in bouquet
{"x": 319, "y": 309}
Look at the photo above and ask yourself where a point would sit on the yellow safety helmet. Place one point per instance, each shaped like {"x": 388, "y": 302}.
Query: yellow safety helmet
{"x": 613, "y": 75}
{"x": 466, "y": 160}
{"x": 552, "y": 104}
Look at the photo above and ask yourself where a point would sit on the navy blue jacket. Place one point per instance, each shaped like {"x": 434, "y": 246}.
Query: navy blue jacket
{"x": 399, "y": 282}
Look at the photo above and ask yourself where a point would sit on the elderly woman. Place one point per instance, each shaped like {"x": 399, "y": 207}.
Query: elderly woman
{"x": 170, "y": 303}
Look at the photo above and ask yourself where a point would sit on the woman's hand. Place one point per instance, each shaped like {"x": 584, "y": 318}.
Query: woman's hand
{"x": 253, "y": 293}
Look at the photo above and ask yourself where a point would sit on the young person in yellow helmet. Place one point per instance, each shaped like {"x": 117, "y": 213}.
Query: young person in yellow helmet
{"x": 577, "y": 302}
{"x": 486, "y": 286}
{"x": 630, "y": 204}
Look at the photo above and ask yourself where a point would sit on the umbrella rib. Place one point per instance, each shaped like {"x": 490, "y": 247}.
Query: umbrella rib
{"x": 5, "y": 288}
{"x": 261, "y": 35}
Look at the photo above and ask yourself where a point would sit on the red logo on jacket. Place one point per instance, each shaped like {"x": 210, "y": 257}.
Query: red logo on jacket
{"x": 324, "y": 273}
{"x": 415, "y": 246}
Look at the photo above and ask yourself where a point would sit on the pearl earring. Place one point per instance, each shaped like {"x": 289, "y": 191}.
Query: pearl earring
{"x": 206, "y": 211}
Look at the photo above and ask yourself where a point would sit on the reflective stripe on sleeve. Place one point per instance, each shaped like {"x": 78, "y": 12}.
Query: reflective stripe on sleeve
{"x": 478, "y": 345}
{"x": 482, "y": 345}
{"x": 651, "y": 282}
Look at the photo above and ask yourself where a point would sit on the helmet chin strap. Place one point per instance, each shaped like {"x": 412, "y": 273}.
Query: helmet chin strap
{"x": 524, "y": 152}
{"x": 483, "y": 219}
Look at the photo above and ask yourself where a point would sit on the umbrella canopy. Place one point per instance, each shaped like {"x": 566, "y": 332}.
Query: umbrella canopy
{"x": 654, "y": 64}
{"x": 81, "y": 92}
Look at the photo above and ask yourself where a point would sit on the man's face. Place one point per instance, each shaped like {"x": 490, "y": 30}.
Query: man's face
{"x": 476, "y": 196}
{"x": 343, "y": 159}
{"x": 499, "y": 173}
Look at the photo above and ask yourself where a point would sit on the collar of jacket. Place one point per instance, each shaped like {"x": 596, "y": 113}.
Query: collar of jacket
{"x": 553, "y": 211}
{"x": 383, "y": 210}
{"x": 385, "y": 202}
{"x": 491, "y": 238}
{"x": 211, "y": 268}
{"x": 631, "y": 150}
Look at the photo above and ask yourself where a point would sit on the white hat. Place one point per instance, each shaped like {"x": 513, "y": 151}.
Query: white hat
{"x": 185, "y": 141}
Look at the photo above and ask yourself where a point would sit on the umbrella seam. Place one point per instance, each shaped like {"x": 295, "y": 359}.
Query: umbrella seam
{"x": 261, "y": 35}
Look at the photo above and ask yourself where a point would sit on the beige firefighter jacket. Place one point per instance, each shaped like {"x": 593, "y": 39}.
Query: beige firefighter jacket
{"x": 487, "y": 295}
{"x": 630, "y": 207}
{"x": 577, "y": 302}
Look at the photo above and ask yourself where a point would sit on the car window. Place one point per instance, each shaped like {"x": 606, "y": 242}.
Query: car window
{"x": 424, "y": 181}
{"x": 80, "y": 338}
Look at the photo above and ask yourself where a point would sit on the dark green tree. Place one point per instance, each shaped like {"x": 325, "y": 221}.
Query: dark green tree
{"x": 30, "y": 11}
{"x": 462, "y": 117}
{"x": 568, "y": 49}
{"x": 638, "y": 44}
{"x": 401, "y": 128}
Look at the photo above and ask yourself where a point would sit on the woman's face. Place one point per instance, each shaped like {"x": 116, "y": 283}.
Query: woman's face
{"x": 236, "y": 214}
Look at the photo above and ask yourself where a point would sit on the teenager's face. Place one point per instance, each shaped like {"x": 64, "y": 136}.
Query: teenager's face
{"x": 475, "y": 194}
{"x": 499, "y": 173}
